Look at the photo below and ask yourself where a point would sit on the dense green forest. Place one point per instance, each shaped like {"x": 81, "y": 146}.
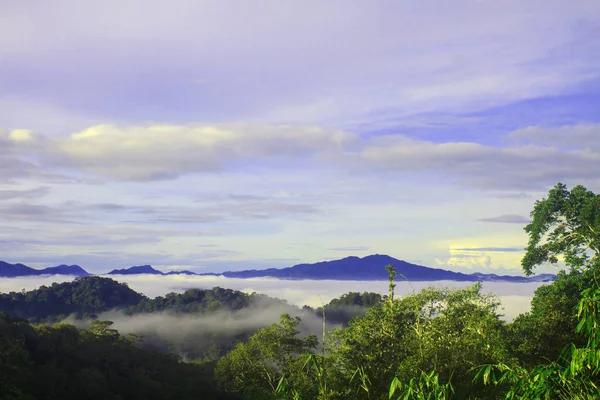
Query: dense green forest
{"x": 434, "y": 344}
{"x": 62, "y": 362}
{"x": 83, "y": 298}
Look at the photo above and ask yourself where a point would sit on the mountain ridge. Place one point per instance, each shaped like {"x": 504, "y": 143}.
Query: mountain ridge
{"x": 372, "y": 267}
{"x": 368, "y": 268}
{"x": 8, "y": 270}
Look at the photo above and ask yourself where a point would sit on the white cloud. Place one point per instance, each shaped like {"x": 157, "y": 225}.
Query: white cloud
{"x": 585, "y": 137}
{"x": 155, "y": 152}
{"x": 527, "y": 167}
{"x": 166, "y": 151}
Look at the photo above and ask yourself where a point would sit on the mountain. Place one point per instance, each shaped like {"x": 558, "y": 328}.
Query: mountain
{"x": 147, "y": 269}
{"x": 74, "y": 270}
{"x": 142, "y": 269}
{"x": 14, "y": 270}
{"x": 510, "y": 278}
{"x": 373, "y": 268}
{"x": 369, "y": 268}
{"x": 184, "y": 272}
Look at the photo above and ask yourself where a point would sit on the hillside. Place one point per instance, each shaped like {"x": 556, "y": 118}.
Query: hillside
{"x": 83, "y": 297}
{"x": 61, "y": 362}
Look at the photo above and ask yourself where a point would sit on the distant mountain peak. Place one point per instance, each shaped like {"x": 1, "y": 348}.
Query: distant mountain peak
{"x": 14, "y": 270}
{"x": 65, "y": 270}
{"x": 140, "y": 269}
{"x": 182, "y": 272}
{"x": 372, "y": 267}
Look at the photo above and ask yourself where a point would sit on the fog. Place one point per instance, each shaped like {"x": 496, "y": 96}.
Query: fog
{"x": 196, "y": 336}
{"x": 515, "y": 297}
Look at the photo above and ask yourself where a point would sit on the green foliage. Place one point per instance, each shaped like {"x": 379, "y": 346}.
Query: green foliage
{"x": 60, "y": 362}
{"x": 446, "y": 330}
{"x": 565, "y": 224}
{"x": 342, "y": 309}
{"x": 539, "y": 336}
{"x": 199, "y": 301}
{"x": 391, "y": 277}
{"x": 573, "y": 376}
{"x": 426, "y": 386}
{"x": 84, "y": 297}
{"x": 574, "y": 218}
{"x": 271, "y": 356}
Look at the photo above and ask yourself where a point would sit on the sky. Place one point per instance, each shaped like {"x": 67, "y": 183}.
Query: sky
{"x": 227, "y": 135}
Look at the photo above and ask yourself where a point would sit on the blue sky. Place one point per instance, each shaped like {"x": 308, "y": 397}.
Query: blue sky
{"x": 218, "y": 135}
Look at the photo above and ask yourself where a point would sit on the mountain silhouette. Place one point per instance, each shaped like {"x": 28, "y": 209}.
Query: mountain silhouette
{"x": 147, "y": 269}
{"x": 141, "y": 269}
{"x": 369, "y": 268}
{"x": 15, "y": 270}
{"x": 373, "y": 268}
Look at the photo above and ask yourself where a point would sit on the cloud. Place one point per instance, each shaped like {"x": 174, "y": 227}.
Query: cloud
{"x": 7, "y": 194}
{"x": 507, "y": 218}
{"x": 231, "y": 323}
{"x": 583, "y": 136}
{"x": 77, "y": 212}
{"x": 168, "y": 151}
{"x": 492, "y": 249}
{"x": 466, "y": 259}
{"x": 482, "y": 258}
{"x": 524, "y": 167}
{"x": 519, "y": 195}
{"x": 349, "y": 248}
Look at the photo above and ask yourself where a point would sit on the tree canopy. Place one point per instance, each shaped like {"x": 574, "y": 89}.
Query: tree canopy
{"x": 566, "y": 225}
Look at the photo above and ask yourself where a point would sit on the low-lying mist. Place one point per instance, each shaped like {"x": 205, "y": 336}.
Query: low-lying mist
{"x": 201, "y": 336}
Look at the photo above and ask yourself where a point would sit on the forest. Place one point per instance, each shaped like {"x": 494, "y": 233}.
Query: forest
{"x": 435, "y": 344}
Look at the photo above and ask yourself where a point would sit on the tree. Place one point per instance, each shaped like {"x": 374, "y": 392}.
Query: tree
{"x": 434, "y": 335}
{"x": 565, "y": 224}
{"x": 539, "y": 336}
{"x": 271, "y": 355}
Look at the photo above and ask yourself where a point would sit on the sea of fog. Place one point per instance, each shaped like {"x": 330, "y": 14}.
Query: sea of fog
{"x": 515, "y": 297}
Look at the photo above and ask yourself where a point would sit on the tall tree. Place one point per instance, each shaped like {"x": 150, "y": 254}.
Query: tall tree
{"x": 272, "y": 354}
{"x": 566, "y": 224}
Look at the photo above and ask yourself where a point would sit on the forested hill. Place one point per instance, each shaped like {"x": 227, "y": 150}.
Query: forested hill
{"x": 189, "y": 324}
{"x": 86, "y": 297}
{"x": 83, "y": 297}
{"x": 61, "y": 362}
{"x": 202, "y": 301}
